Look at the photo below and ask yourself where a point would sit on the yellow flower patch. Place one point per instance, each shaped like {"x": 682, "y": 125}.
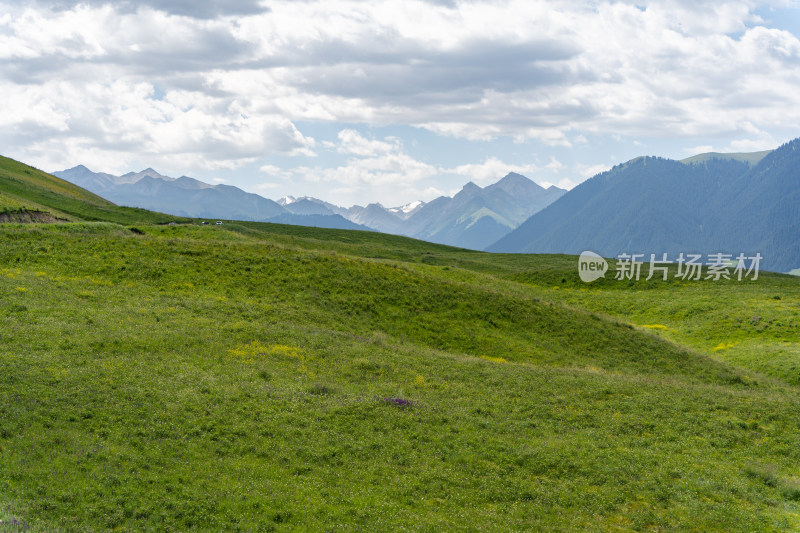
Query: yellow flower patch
{"x": 723, "y": 346}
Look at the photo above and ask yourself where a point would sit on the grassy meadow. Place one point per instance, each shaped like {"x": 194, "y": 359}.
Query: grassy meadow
{"x": 259, "y": 377}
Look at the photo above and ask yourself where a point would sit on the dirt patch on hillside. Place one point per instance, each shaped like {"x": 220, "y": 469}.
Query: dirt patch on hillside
{"x": 26, "y": 216}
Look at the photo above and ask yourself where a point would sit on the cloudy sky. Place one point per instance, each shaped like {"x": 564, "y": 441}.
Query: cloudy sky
{"x": 390, "y": 100}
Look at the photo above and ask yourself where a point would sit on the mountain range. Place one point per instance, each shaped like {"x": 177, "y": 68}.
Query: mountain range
{"x": 477, "y": 217}
{"x": 474, "y": 218}
{"x": 709, "y": 203}
{"x": 189, "y": 197}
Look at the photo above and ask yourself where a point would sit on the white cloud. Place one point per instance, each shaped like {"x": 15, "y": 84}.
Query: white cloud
{"x": 398, "y": 169}
{"x": 702, "y": 149}
{"x": 34, "y": 109}
{"x": 278, "y": 178}
{"x": 375, "y": 169}
{"x": 372, "y": 162}
{"x": 761, "y": 141}
{"x": 352, "y": 142}
{"x": 567, "y": 183}
{"x": 490, "y": 170}
{"x": 564, "y": 183}
{"x": 591, "y": 170}
{"x": 122, "y": 118}
{"x": 218, "y": 85}
{"x": 270, "y": 169}
{"x": 753, "y": 140}
{"x": 554, "y": 165}
{"x": 74, "y": 34}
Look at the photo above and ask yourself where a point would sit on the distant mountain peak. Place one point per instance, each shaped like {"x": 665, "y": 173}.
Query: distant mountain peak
{"x": 513, "y": 176}
{"x": 133, "y": 177}
{"x": 515, "y": 184}
{"x": 468, "y": 191}
{"x": 512, "y": 182}
{"x": 149, "y": 171}
{"x": 409, "y": 207}
{"x": 287, "y": 200}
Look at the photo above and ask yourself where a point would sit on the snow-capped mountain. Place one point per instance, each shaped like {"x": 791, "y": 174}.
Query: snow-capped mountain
{"x": 405, "y": 211}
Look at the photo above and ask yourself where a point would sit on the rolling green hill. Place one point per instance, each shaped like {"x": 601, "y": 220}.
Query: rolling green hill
{"x": 278, "y": 378}
{"x": 25, "y": 190}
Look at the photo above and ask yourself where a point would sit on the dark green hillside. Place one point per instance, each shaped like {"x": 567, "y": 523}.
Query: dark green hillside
{"x": 647, "y": 205}
{"x": 734, "y": 203}
{"x": 26, "y": 189}
{"x": 761, "y": 210}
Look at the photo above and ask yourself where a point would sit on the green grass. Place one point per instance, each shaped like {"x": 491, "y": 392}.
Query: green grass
{"x": 262, "y": 377}
{"x": 754, "y": 324}
{"x": 10, "y": 203}
{"x": 248, "y": 377}
{"x": 15, "y": 209}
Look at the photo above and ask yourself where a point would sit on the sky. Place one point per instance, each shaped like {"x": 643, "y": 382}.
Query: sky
{"x": 391, "y": 101}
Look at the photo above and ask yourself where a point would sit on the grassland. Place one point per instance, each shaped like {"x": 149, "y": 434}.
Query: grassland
{"x": 277, "y": 378}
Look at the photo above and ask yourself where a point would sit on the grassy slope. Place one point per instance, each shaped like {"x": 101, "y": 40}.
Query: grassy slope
{"x": 237, "y": 377}
{"x": 24, "y": 187}
{"x": 749, "y": 157}
{"x": 13, "y": 203}
{"x": 753, "y": 324}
